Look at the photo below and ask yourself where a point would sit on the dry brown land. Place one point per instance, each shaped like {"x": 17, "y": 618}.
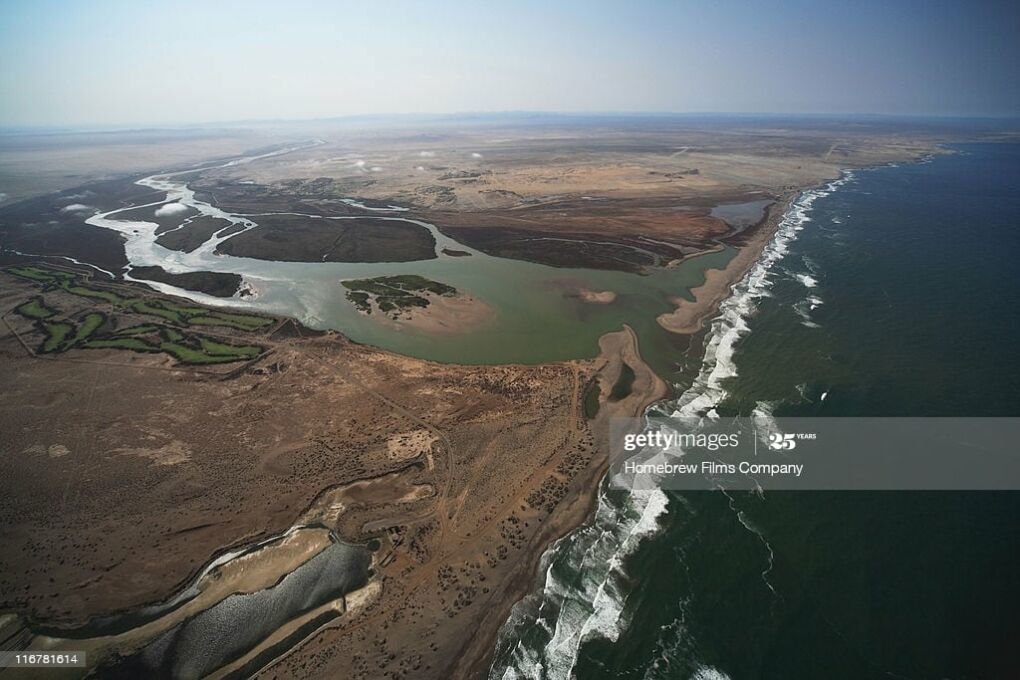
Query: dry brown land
{"x": 32, "y": 164}
{"x": 123, "y": 474}
{"x": 570, "y": 195}
{"x": 445, "y": 314}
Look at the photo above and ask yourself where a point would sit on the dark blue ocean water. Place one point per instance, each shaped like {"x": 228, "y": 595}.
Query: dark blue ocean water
{"x": 900, "y": 295}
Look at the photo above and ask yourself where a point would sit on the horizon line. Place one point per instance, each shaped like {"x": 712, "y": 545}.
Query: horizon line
{"x": 433, "y": 116}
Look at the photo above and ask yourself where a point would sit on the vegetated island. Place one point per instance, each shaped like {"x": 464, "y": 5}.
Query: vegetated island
{"x": 300, "y": 238}
{"x": 415, "y": 301}
{"x": 217, "y": 284}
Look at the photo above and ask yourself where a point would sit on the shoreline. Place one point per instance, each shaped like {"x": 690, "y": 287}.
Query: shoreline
{"x": 617, "y": 348}
{"x": 690, "y": 316}
{"x": 688, "y": 319}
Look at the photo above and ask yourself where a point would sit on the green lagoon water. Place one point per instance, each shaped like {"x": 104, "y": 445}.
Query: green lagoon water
{"x": 538, "y": 316}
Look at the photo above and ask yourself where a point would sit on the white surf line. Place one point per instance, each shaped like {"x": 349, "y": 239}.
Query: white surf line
{"x": 730, "y": 325}
{"x": 705, "y": 392}
{"x": 595, "y": 607}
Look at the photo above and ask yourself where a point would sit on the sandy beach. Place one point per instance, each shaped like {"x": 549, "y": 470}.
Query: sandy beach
{"x": 690, "y": 315}
{"x": 616, "y": 350}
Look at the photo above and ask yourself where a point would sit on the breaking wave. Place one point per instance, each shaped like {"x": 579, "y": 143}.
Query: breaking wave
{"x": 731, "y": 324}
{"x": 585, "y": 589}
{"x": 808, "y": 280}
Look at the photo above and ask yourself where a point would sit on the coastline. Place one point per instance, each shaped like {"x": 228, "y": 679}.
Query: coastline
{"x": 617, "y": 348}
{"x": 689, "y": 318}
{"x": 690, "y": 315}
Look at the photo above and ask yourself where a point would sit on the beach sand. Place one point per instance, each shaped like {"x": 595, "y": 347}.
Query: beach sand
{"x": 445, "y": 314}
{"x": 690, "y": 315}
{"x": 599, "y": 297}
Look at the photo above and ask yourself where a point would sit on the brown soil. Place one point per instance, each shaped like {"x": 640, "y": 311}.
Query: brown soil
{"x": 445, "y": 314}
{"x": 464, "y": 474}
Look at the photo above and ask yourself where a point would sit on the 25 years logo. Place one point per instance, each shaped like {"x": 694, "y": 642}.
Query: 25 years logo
{"x": 782, "y": 442}
{"x": 779, "y": 441}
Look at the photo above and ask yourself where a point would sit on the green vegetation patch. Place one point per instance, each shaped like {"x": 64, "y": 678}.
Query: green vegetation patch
{"x": 57, "y": 333}
{"x": 104, "y": 295}
{"x": 184, "y": 310}
{"x": 35, "y": 309}
{"x": 154, "y": 308}
{"x": 174, "y": 339}
{"x": 40, "y": 275}
{"x": 189, "y": 355}
{"x": 172, "y": 335}
{"x": 393, "y": 294}
{"x": 222, "y": 349}
{"x": 134, "y": 344}
{"x": 361, "y": 300}
{"x": 200, "y": 316}
{"x": 140, "y": 329}
{"x": 241, "y": 322}
{"x": 409, "y": 283}
{"x": 89, "y": 325}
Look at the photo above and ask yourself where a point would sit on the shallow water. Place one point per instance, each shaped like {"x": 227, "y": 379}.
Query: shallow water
{"x": 239, "y": 622}
{"x": 741, "y": 215}
{"x": 539, "y": 316}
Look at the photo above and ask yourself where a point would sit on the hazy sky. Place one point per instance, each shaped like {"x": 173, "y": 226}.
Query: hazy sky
{"x": 144, "y": 62}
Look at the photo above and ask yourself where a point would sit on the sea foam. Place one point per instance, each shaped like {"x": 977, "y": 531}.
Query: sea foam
{"x": 584, "y": 594}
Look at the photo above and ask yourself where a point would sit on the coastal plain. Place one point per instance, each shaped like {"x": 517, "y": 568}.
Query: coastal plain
{"x": 143, "y": 486}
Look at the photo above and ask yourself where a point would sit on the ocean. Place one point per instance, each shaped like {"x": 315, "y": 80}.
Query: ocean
{"x": 893, "y": 291}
